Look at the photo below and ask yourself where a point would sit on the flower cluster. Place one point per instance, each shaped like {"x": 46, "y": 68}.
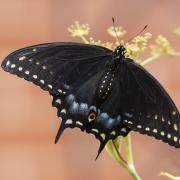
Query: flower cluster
{"x": 135, "y": 48}
{"x": 161, "y": 46}
{"x": 81, "y": 31}
{"x": 117, "y": 33}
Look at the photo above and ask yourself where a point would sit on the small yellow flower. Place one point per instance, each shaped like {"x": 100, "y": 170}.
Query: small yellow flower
{"x": 138, "y": 46}
{"x": 78, "y": 30}
{"x": 177, "y": 31}
{"x": 116, "y": 32}
{"x": 161, "y": 46}
{"x": 142, "y": 39}
{"x": 100, "y": 43}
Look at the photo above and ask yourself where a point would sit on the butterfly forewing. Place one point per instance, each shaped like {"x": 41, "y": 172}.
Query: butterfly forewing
{"x": 51, "y": 65}
{"x": 149, "y": 108}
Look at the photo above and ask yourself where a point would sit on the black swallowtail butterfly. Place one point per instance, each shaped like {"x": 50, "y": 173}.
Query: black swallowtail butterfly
{"x": 99, "y": 91}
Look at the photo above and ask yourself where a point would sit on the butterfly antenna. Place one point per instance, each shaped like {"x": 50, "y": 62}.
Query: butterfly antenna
{"x": 138, "y": 33}
{"x": 115, "y": 30}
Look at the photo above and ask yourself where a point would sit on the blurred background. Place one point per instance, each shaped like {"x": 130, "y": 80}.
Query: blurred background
{"x": 28, "y": 123}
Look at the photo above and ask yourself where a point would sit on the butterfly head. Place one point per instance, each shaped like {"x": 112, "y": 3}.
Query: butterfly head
{"x": 119, "y": 52}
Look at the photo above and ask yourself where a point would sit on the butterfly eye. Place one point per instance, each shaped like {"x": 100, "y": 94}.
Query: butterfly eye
{"x": 91, "y": 116}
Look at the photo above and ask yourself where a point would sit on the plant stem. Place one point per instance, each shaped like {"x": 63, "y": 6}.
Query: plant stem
{"x": 148, "y": 60}
{"x": 176, "y": 53}
{"x": 129, "y": 149}
{"x": 152, "y": 58}
{"x": 120, "y": 159}
{"x": 130, "y": 158}
{"x": 84, "y": 39}
{"x": 129, "y": 166}
{"x": 169, "y": 176}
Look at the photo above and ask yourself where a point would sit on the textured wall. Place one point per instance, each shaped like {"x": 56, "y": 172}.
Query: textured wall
{"x": 28, "y": 123}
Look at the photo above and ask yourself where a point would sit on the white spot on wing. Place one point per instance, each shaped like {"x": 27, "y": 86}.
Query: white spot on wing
{"x": 50, "y": 86}
{"x": 58, "y": 101}
{"x": 42, "y": 81}
{"x": 103, "y": 136}
{"x": 162, "y": 133}
{"x": 175, "y": 139}
{"x": 173, "y": 113}
{"x": 44, "y": 67}
{"x": 130, "y": 122}
{"x": 162, "y": 119}
{"x": 169, "y": 136}
{"x": 79, "y": 123}
{"x": 123, "y": 130}
{"x": 139, "y": 126}
{"x": 60, "y": 91}
{"x": 13, "y": 65}
{"x": 27, "y": 72}
{"x": 69, "y": 121}
{"x": 20, "y": 68}
{"x": 35, "y": 76}
{"x": 95, "y": 130}
{"x": 154, "y": 130}
{"x": 113, "y": 133}
{"x": 7, "y": 63}
{"x": 147, "y": 129}
{"x": 63, "y": 111}
{"x": 22, "y": 58}
{"x": 175, "y": 127}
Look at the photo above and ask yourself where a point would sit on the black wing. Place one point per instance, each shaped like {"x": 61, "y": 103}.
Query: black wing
{"x": 70, "y": 72}
{"x": 147, "y": 106}
{"x": 55, "y": 67}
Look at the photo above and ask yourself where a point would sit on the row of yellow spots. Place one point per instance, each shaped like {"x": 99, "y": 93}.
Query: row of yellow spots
{"x": 34, "y": 76}
{"x": 162, "y": 133}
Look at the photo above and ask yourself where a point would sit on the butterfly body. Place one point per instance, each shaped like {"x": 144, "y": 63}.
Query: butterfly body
{"x": 99, "y": 91}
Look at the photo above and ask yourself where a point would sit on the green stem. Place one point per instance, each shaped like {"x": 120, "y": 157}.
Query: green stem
{"x": 175, "y": 53}
{"x": 131, "y": 166}
{"x": 150, "y": 59}
{"x": 169, "y": 176}
{"x": 133, "y": 172}
{"x": 128, "y": 166}
{"x": 129, "y": 149}
{"x": 84, "y": 39}
{"x": 119, "y": 158}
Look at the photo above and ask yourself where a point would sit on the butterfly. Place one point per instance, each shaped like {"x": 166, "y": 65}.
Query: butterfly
{"x": 98, "y": 90}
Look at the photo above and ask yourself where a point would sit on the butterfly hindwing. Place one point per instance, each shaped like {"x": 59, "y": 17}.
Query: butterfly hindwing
{"x": 74, "y": 107}
{"x": 149, "y": 108}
